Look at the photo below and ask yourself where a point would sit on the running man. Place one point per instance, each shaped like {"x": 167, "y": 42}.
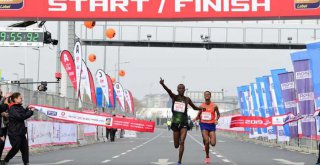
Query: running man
{"x": 179, "y": 122}
{"x": 208, "y": 121}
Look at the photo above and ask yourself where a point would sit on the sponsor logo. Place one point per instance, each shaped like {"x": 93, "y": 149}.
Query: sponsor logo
{"x": 288, "y": 85}
{"x": 11, "y": 4}
{"x": 52, "y": 113}
{"x": 303, "y": 75}
{"x": 306, "y": 96}
{"x": 306, "y": 4}
{"x": 290, "y": 104}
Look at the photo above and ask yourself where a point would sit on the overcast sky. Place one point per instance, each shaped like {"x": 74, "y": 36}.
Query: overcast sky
{"x": 199, "y": 69}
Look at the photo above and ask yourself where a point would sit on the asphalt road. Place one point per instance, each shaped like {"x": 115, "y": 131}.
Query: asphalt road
{"x": 157, "y": 148}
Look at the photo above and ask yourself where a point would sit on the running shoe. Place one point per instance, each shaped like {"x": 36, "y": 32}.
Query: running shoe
{"x": 179, "y": 163}
{"x": 207, "y": 160}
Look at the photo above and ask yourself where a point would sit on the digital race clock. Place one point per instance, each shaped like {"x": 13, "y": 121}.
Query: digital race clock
{"x": 17, "y": 36}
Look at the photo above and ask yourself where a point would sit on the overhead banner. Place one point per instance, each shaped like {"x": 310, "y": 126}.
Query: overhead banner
{"x": 120, "y": 95}
{"x": 289, "y": 99}
{"x": 68, "y": 64}
{"x": 305, "y": 95}
{"x": 104, "y": 120}
{"x": 103, "y": 83}
{"x": 158, "y": 9}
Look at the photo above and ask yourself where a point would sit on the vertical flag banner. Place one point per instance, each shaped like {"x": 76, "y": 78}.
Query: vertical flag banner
{"x": 85, "y": 81}
{"x": 111, "y": 91}
{"x": 282, "y": 131}
{"x": 263, "y": 108}
{"x": 304, "y": 87}
{"x": 103, "y": 83}
{"x": 132, "y": 102}
{"x": 247, "y": 107}
{"x": 271, "y": 131}
{"x": 254, "y": 102}
{"x": 68, "y": 64}
{"x": 120, "y": 96}
{"x": 92, "y": 88}
{"x": 244, "y": 89}
{"x": 78, "y": 64}
{"x": 99, "y": 97}
{"x": 289, "y": 99}
{"x": 129, "y": 100}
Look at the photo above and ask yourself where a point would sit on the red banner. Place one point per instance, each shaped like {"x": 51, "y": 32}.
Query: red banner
{"x": 250, "y": 121}
{"x": 158, "y": 9}
{"x": 68, "y": 63}
{"x": 93, "y": 88}
{"x": 104, "y": 120}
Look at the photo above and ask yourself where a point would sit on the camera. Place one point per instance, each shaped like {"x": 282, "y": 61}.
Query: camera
{"x": 48, "y": 39}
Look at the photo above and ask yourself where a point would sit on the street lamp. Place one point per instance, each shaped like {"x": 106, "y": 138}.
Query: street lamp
{"x": 16, "y": 74}
{"x": 37, "y": 49}
{"x": 24, "y": 69}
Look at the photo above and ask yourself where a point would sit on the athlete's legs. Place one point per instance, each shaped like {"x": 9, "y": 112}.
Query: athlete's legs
{"x": 205, "y": 135}
{"x": 176, "y": 138}
{"x": 183, "y": 135}
{"x": 213, "y": 138}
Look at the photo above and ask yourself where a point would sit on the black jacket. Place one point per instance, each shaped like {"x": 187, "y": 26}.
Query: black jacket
{"x": 17, "y": 116}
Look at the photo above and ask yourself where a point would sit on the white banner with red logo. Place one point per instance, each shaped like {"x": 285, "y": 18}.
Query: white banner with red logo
{"x": 104, "y": 120}
{"x": 77, "y": 52}
{"x": 103, "y": 83}
{"x": 120, "y": 95}
{"x": 129, "y": 99}
{"x": 158, "y": 9}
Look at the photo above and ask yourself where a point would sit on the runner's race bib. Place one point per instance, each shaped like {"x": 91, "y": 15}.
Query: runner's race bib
{"x": 206, "y": 116}
{"x": 179, "y": 107}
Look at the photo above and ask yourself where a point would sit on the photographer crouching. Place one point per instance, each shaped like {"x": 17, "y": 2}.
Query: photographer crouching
{"x": 17, "y": 129}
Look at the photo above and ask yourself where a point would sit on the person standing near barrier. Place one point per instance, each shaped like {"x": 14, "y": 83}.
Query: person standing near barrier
{"x": 17, "y": 129}
{"x": 208, "y": 121}
{"x": 179, "y": 124}
{"x": 4, "y": 107}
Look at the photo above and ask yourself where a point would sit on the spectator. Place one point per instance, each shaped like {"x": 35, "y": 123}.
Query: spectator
{"x": 17, "y": 129}
{"x": 4, "y": 107}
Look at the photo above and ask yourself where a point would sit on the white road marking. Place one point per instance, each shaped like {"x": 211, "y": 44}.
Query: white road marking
{"x": 115, "y": 157}
{"x": 226, "y": 160}
{"x": 219, "y": 156}
{"x": 283, "y": 161}
{"x": 213, "y": 153}
{"x": 163, "y": 162}
{"x": 105, "y": 161}
{"x": 60, "y": 162}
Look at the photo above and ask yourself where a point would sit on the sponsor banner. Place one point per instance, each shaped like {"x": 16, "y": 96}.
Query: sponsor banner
{"x": 263, "y": 108}
{"x": 77, "y": 53}
{"x": 110, "y": 91}
{"x": 289, "y": 98}
{"x": 64, "y": 133}
{"x": 85, "y": 85}
{"x": 157, "y": 9}
{"x": 304, "y": 88}
{"x": 92, "y": 88}
{"x": 89, "y": 130}
{"x": 103, "y": 83}
{"x": 266, "y": 85}
{"x": 250, "y": 121}
{"x": 104, "y": 120}
{"x": 224, "y": 124}
{"x": 255, "y": 110}
{"x": 120, "y": 95}
{"x": 68, "y": 64}
{"x": 283, "y": 131}
{"x": 129, "y": 99}
{"x": 244, "y": 102}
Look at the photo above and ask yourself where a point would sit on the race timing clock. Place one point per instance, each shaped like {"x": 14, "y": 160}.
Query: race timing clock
{"x": 17, "y": 36}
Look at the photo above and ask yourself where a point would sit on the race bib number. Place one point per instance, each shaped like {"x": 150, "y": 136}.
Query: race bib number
{"x": 179, "y": 107}
{"x": 206, "y": 116}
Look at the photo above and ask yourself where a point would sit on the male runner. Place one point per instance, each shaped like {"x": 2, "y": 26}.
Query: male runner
{"x": 179, "y": 123}
{"x": 208, "y": 121}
